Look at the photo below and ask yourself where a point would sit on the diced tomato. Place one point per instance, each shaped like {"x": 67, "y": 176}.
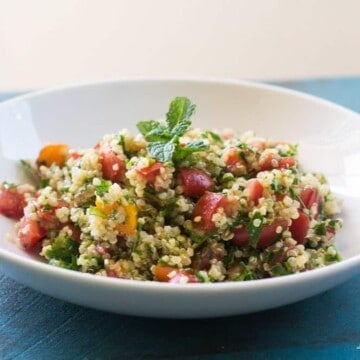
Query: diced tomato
{"x": 267, "y": 235}
{"x": 30, "y": 233}
{"x": 47, "y": 217}
{"x": 300, "y": 227}
{"x": 279, "y": 258}
{"x": 258, "y": 144}
{"x": 206, "y": 207}
{"x": 76, "y": 232}
{"x": 310, "y": 198}
{"x": 151, "y": 172}
{"x": 270, "y": 161}
{"x": 12, "y": 203}
{"x": 111, "y": 273}
{"x": 75, "y": 155}
{"x": 241, "y": 237}
{"x": 162, "y": 274}
{"x": 203, "y": 260}
{"x": 195, "y": 181}
{"x": 254, "y": 190}
{"x": 232, "y": 159}
{"x": 183, "y": 277}
{"x": 113, "y": 168}
{"x": 286, "y": 162}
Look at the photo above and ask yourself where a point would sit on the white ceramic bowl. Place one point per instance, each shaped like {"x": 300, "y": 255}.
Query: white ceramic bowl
{"x": 329, "y": 138}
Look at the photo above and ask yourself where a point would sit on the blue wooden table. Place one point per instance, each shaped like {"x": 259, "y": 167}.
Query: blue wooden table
{"x": 327, "y": 326}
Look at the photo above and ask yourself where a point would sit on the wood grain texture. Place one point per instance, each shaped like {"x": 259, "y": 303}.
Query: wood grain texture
{"x": 327, "y": 326}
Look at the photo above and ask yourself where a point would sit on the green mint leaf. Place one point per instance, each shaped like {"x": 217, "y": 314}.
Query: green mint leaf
{"x": 254, "y": 231}
{"x": 212, "y": 135}
{"x": 153, "y": 130}
{"x": 180, "y": 128}
{"x": 180, "y": 110}
{"x": 194, "y": 146}
{"x": 161, "y": 151}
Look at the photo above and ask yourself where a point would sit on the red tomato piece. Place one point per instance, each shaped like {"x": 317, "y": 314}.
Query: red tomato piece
{"x": 254, "y": 190}
{"x": 286, "y": 162}
{"x": 300, "y": 227}
{"x": 258, "y": 144}
{"x": 47, "y": 217}
{"x": 271, "y": 161}
{"x": 233, "y": 160}
{"x": 310, "y": 198}
{"x": 241, "y": 237}
{"x": 206, "y": 207}
{"x": 112, "y": 166}
{"x": 30, "y": 233}
{"x": 183, "y": 277}
{"x": 12, "y": 203}
{"x": 151, "y": 172}
{"x": 267, "y": 235}
{"x": 195, "y": 181}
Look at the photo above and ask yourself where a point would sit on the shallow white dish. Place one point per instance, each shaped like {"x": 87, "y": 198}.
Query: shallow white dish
{"x": 329, "y": 138}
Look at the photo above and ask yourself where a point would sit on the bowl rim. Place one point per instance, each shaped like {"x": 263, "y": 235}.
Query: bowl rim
{"x": 30, "y": 264}
{"x": 172, "y": 79}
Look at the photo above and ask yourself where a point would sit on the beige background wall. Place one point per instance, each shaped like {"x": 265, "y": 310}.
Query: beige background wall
{"x": 46, "y": 43}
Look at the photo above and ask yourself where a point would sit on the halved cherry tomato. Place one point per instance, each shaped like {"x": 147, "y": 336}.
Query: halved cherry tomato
{"x": 311, "y": 199}
{"x": 300, "y": 227}
{"x": 113, "y": 168}
{"x": 53, "y": 154}
{"x": 254, "y": 190}
{"x": 195, "y": 181}
{"x": 267, "y": 235}
{"x": 271, "y": 161}
{"x": 30, "y": 233}
{"x": 206, "y": 207}
{"x": 12, "y": 203}
{"x": 151, "y": 172}
{"x": 162, "y": 274}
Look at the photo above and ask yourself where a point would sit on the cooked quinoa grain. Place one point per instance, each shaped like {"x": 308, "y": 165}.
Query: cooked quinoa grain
{"x": 176, "y": 204}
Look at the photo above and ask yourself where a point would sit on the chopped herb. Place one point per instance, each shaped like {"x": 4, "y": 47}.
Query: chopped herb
{"x": 320, "y": 229}
{"x": 65, "y": 251}
{"x": 279, "y": 269}
{"x": 44, "y": 183}
{"x": 254, "y": 227}
{"x": 102, "y": 188}
{"x": 30, "y": 171}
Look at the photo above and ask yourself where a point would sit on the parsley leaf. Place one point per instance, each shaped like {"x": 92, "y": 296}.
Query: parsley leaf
{"x": 64, "y": 251}
{"x": 102, "y": 188}
{"x": 254, "y": 231}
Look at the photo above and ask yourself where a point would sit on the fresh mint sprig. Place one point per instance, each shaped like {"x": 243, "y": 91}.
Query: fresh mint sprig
{"x": 164, "y": 138}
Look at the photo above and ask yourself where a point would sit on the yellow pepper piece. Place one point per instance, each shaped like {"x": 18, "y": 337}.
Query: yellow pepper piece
{"x": 129, "y": 226}
{"x": 53, "y": 154}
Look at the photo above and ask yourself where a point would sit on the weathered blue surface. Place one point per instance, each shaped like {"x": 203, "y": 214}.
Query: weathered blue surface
{"x": 327, "y": 326}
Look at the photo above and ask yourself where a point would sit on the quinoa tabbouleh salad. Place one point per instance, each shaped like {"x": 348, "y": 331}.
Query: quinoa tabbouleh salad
{"x": 175, "y": 204}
